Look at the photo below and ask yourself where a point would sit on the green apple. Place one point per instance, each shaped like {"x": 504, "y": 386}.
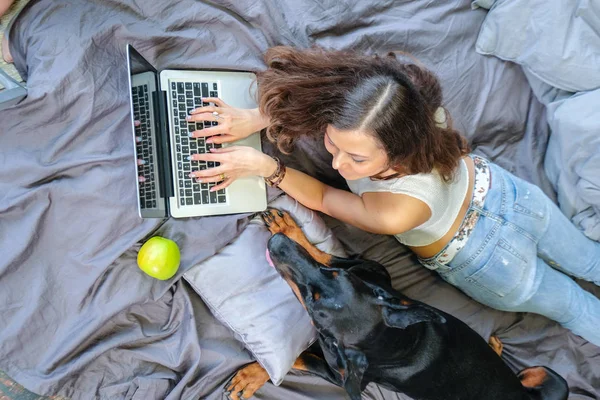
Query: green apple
{"x": 159, "y": 257}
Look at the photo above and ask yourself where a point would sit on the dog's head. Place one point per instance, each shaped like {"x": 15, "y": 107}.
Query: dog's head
{"x": 350, "y": 305}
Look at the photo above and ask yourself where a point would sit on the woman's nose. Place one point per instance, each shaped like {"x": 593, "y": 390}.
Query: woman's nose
{"x": 336, "y": 163}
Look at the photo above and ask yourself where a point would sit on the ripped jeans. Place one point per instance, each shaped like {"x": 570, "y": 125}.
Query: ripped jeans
{"x": 521, "y": 254}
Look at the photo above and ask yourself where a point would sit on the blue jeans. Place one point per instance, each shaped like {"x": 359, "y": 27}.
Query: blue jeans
{"x": 520, "y": 254}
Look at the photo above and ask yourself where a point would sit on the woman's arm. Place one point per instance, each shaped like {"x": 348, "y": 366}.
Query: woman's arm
{"x": 383, "y": 213}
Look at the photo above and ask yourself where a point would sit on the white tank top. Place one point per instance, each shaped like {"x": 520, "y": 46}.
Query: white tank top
{"x": 444, "y": 199}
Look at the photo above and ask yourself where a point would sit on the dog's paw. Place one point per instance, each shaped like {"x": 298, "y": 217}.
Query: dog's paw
{"x": 247, "y": 381}
{"x": 281, "y": 222}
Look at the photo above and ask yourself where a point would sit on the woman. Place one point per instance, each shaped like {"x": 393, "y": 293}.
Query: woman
{"x": 4, "y": 6}
{"x": 496, "y": 237}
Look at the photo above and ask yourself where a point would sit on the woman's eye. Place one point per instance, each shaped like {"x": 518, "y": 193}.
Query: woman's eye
{"x": 358, "y": 161}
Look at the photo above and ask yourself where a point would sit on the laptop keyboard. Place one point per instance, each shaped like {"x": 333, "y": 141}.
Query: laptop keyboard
{"x": 144, "y": 148}
{"x": 185, "y": 97}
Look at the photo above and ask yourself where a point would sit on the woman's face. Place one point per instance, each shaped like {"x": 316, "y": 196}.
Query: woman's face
{"x": 356, "y": 154}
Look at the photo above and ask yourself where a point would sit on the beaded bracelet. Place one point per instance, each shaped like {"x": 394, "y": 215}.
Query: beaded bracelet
{"x": 275, "y": 179}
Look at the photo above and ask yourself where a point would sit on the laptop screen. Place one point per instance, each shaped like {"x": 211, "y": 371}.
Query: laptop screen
{"x": 143, "y": 91}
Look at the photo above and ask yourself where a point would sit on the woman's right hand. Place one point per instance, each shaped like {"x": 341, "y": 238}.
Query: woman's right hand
{"x": 234, "y": 162}
{"x": 233, "y": 123}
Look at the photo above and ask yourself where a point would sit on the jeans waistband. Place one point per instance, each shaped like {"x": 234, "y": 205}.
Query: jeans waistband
{"x": 483, "y": 179}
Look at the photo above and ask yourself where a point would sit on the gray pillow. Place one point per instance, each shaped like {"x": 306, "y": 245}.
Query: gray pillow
{"x": 250, "y": 297}
{"x": 554, "y": 40}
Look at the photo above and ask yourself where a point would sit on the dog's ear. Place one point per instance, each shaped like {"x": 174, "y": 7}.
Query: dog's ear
{"x": 371, "y": 273}
{"x": 402, "y": 312}
{"x": 356, "y": 365}
{"x": 349, "y": 365}
{"x": 406, "y": 315}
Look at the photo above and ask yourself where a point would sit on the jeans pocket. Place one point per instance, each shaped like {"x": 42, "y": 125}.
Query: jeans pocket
{"x": 502, "y": 273}
{"x": 529, "y": 199}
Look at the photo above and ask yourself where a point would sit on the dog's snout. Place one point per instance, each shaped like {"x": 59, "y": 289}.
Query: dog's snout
{"x": 278, "y": 243}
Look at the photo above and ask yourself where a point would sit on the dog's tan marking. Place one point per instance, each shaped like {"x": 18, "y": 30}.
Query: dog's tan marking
{"x": 296, "y": 292}
{"x": 533, "y": 377}
{"x": 247, "y": 381}
{"x": 496, "y": 345}
{"x": 299, "y": 364}
{"x": 253, "y": 376}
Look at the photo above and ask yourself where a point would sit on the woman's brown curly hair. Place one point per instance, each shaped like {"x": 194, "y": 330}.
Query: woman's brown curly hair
{"x": 305, "y": 90}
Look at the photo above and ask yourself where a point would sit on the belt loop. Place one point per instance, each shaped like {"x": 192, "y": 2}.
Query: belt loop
{"x": 429, "y": 263}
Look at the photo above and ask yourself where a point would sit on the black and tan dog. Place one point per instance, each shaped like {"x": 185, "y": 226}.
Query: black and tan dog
{"x": 369, "y": 332}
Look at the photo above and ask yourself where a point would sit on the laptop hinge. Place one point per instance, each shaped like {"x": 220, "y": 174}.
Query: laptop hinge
{"x": 166, "y": 180}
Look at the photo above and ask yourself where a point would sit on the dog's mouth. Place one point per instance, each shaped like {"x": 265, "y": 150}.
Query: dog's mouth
{"x": 268, "y": 257}
{"x": 286, "y": 277}
{"x": 282, "y": 268}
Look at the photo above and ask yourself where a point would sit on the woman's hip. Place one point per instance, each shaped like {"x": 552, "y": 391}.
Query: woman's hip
{"x": 496, "y": 255}
{"x": 499, "y": 199}
{"x": 497, "y": 268}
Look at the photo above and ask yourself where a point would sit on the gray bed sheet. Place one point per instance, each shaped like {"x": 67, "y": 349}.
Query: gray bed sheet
{"x": 78, "y": 318}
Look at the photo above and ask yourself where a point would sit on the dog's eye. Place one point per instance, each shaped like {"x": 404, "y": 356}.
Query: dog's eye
{"x": 328, "y": 272}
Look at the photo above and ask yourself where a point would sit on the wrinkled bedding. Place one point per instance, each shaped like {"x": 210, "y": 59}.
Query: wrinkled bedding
{"x": 78, "y": 318}
{"x": 557, "y": 43}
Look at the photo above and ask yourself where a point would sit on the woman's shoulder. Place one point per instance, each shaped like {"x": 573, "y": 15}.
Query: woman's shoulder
{"x": 394, "y": 185}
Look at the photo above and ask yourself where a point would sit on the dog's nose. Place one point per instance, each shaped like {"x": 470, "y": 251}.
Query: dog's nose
{"x": 277, "y": 241}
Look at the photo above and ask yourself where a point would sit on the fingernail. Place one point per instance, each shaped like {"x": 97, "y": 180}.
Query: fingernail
{"x": 191, "y": 174}
{"x": 141, "y": 179}
{"x": 212, "y": 189}
{"x": 141, "y": 162}
{"x": 199, "y": 180}
{"x": 138, "y": 139}
{"x": 209, "y": 141}
{"x": 191, "y": 134}
{"x": 189, "y": 158}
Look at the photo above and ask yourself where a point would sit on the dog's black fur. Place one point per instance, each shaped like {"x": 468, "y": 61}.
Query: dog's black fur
{"x": 369, "y": 332}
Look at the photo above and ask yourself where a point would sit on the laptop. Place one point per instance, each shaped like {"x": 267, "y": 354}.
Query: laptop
{"x": 160, "y": 101}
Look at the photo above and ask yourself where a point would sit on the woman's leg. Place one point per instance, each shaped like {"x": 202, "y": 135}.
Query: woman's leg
{"x": 4, "y": 6}
{"x": 566, "y": 248}
{"x": 561, "y": 299}
{"x": 559, "y": 242}
{"x": 500, "y": 265}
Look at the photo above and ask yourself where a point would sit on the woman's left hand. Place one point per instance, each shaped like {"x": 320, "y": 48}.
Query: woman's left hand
{"x": 236, "y": 162}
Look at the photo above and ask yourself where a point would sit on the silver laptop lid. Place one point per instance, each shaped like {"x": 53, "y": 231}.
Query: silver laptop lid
{"x": 146, "y": 127}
